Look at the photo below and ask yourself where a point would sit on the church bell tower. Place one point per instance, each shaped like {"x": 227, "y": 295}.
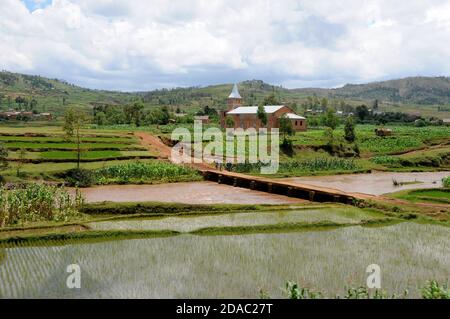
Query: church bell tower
{"x": 234, "y": 99}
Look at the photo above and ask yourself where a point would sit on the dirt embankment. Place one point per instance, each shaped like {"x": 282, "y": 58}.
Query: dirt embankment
{"x": 163, "y": 151}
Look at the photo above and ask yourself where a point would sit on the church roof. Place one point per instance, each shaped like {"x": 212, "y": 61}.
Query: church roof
{"x": 235, "y": 93}
{"x": 294, "y": 116}
{"x": 254, "y": 109}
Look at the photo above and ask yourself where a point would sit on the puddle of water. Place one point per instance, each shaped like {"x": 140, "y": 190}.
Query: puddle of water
{"x": 190, "y": 193}
{"x": 375, "y": 183}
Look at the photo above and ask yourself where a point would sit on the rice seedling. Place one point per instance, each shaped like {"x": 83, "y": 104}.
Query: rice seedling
{"x": 343, "y": 215}
{"x": 239, "y": 266}
{"x": 386, "y": 160}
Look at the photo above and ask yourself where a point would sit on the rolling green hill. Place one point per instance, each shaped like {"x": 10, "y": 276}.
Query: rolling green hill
{"x": 416, "y": 90}
{"x": 52, "y": 95}
{"x": 425, "y": 95}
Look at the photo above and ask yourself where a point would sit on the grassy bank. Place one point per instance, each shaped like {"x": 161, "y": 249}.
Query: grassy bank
{"x": 437, "y": 195}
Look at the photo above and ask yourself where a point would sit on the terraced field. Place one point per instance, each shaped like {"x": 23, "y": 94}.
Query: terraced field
{"x": 47, "y": 152}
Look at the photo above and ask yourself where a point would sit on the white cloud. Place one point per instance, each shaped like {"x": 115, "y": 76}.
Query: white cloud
{"x": 141, "y": 44}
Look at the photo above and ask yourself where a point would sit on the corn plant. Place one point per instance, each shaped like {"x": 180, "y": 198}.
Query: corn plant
{"x": 150, "y": 171}
{"x": 36, "y": 202}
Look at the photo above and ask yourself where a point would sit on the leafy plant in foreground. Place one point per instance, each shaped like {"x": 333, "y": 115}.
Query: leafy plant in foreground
{"x": 36, "y": 202}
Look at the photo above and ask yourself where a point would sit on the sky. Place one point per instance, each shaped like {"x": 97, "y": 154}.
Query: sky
{"x": 141, "y": 45}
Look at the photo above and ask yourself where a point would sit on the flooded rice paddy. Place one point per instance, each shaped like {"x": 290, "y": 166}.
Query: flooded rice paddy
{"x": 376, "y": 183}
{"x": 342, "y": 215}
{"x": 189, "y": 193}
{"x": 238, "y": 266}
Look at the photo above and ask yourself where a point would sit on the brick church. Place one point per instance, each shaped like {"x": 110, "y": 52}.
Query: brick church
{"x": 246, "y": 116}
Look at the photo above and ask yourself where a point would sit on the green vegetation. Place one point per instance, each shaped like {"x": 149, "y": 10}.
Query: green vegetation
{"x": 37, "y": 202}
{"x": 157, "y": 209}
{"x": 298, "y": 167}
{"x": 331, "y": 260}
{"x": 146, "y": 172}
{"x": 248, "y": 220}
{"x": 446, "y": 182}
{"x": 73, "y": 123}
{"x": 437, "y": 195}
{"x": 39, "y": 94}
{"x": 432, "y": 290}
{"x": 349, "y": 130}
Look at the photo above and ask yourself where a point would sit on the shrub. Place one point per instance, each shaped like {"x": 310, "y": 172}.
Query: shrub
{"x": 387, "y": 160}
{"x": 78, "y": 177}
{"x": 286, "y": 147}
{"x": 446, "y": 182}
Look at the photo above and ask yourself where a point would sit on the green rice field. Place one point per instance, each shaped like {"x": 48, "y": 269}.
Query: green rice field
{"x": 237, "y": 266}
{"x": 340, "y": 215}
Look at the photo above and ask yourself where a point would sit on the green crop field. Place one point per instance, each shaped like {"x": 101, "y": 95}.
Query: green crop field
{"x": 438, "y": 195}
{"x": 231, "y": 266}
{"x": 73, "y": 155}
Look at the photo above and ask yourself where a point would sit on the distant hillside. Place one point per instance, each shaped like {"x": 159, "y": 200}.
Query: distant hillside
{"x": 252, "y": 92}
{"x": 417, "y": 90}
{"x": 53, "y": 95}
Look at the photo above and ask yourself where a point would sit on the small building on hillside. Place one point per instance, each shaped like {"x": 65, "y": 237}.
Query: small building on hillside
{"x": 383, "y": 131}
{"x": 202, "y": 118}
{"x": 247, "y": 116}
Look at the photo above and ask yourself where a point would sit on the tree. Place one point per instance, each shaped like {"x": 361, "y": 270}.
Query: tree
{"x": 100, "y": 118}
{"x": 3, "y": 157}
{"x": 324, "y": 103}
{"x": 20, "y": 101}
{"x": 21, "y": 162}
{"x": 165, "y": 115}
{"x": 262, "y": 115}
{"x": 270, "y": 100}
{"x": 328, "y": 133}
{"x": 375, "y": 105}
{"x": 330, "y": 119}
{"x": 33, "y": 104}
{"x": 229, "y": 121}
{"x": 362, "y": 112}
{"x": 133, "y": 113}
{"x": 73, "y": 122}
{"x": 349, "y": 130}
{"x": 286, "y": 127}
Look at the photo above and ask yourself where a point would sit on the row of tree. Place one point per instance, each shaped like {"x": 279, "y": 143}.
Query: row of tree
{"x": 130, "y": 114}
{"x": 19, "y": 103}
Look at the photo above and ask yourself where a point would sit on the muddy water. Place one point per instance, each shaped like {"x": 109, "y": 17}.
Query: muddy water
{"x": 375, "y": 183}
{"x": 191, "y": 193}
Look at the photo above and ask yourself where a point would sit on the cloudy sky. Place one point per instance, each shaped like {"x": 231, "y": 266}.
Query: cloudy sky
{"x": 146, "y": 44}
